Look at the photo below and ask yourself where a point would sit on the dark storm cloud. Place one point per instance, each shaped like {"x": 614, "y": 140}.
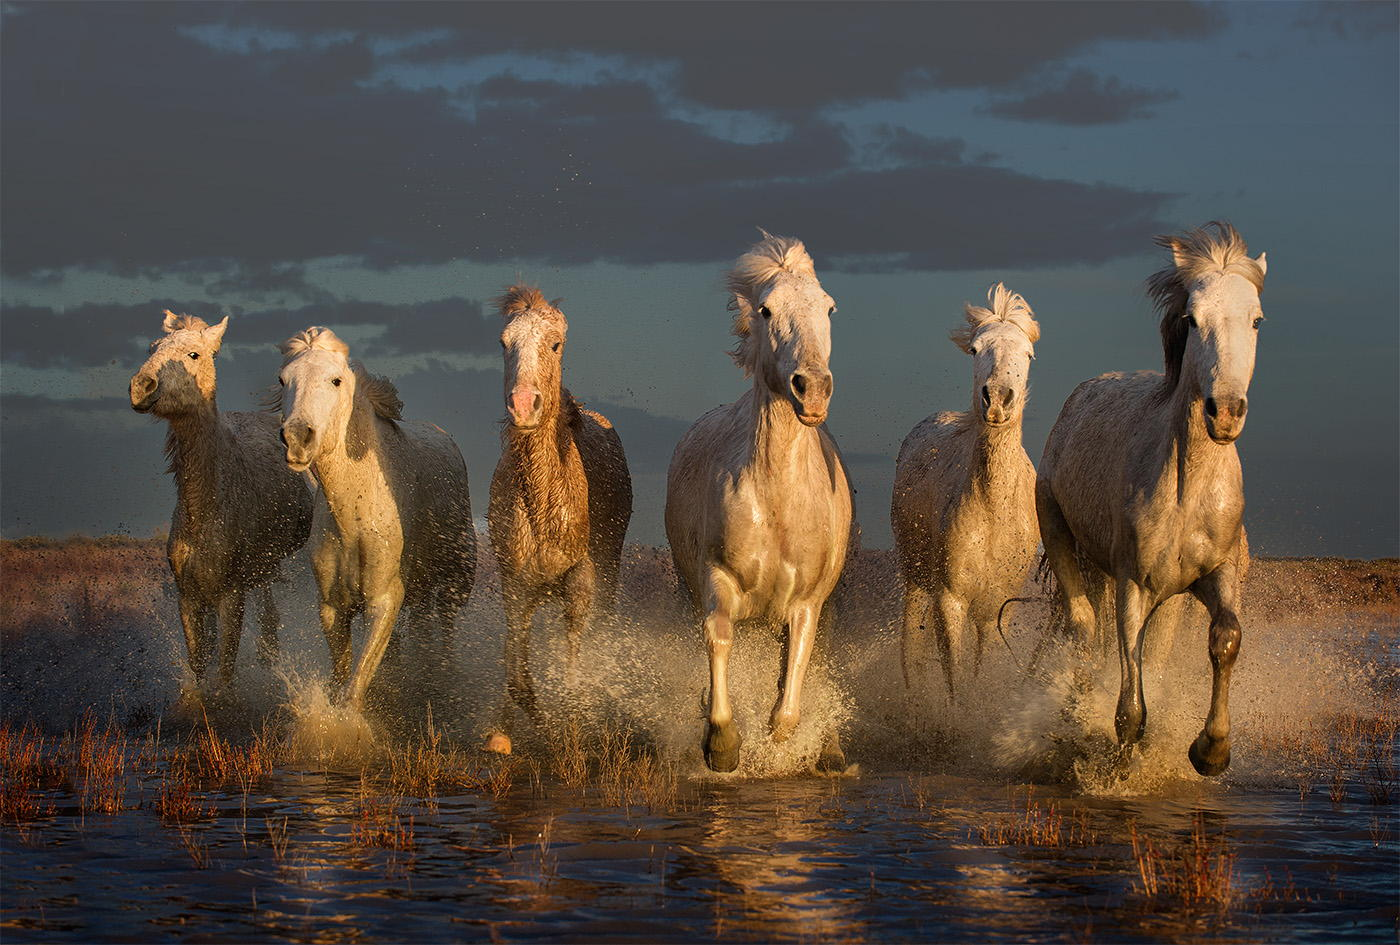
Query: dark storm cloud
{"x": 140, "y": 147}
{"x": 1082, "y": 98}
{"x": 97, "y": 333}
{"x": 772, "y": 55}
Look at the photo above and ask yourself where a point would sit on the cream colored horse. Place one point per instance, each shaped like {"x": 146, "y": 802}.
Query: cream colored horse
{"x": 1141, "y": 481}
{"x": 561, "y": 496}
{"x": 758, "y": 505}
{"x": 963, "y": 512}
{"x": 393, "y": 525}
{"x": 238, "y": 510}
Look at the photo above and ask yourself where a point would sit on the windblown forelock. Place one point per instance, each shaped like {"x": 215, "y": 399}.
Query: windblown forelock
{"x": 1003, "y": 307}
{"x": 754, "y": 274}
{"x": 315, "y": 338}
{"x": 1198, "y": 252}
{"x": 521, "y": 299}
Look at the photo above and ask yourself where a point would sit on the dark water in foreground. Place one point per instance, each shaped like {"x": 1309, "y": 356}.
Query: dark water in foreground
{"x": 889, "y": 856}
{"x": 938, "y": 837}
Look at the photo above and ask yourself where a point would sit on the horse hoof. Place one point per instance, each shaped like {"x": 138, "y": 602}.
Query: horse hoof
{"x": 499, "y": 742}
{"x": 831, "y": 761}
{"x": 722, "y": 748}
{"x": 1209, "y": 758}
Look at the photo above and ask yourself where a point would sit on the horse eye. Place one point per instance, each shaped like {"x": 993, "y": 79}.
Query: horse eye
{"x": 194, "y": 355}
{"x": 336, "y": 382}
{"x": 1258, "y": 320}
{"x": 764, "y": 311}
{"x": 555, "y": 346}
{"x": 831, "y": 311}
{"x": 282, "y": 382}
{"x": 1191, "y": 320}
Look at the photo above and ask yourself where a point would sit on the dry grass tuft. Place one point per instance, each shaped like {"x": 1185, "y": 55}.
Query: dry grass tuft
{"x": 378, "y": 823}
{"x": 1037, "y": 825}
{"x": 1199, "y": 872}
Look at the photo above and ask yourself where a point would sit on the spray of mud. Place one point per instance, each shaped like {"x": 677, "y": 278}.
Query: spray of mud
{"x": 645, "y": 674}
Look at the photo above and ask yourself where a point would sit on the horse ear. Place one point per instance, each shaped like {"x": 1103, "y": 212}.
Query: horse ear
{"x": 1179, "y": 254}
{"x": 1263, "y": 263}
{"x": 216, "y": 333}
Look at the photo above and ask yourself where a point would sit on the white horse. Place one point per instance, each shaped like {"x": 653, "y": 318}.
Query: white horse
{"x": 963, "y": 511}
{"x": 1140, "y": 481}
{"x": 393, "y": 523}
{"x": 758, "y": 505}
{"x": 238, "y": 510}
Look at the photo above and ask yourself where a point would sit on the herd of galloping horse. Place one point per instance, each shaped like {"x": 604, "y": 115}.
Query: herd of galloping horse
{"x": 1139, "y": 495}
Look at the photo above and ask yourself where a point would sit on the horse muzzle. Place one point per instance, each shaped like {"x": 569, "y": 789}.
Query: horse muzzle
{"x": 810, "y": 389}
{"x": 1225, "y": 418}
{"x": 145, "y": 391}
{"x": 300, "y": 441}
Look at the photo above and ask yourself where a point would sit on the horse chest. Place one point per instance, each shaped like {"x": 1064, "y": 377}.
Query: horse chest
{"x": 785, "y": 539}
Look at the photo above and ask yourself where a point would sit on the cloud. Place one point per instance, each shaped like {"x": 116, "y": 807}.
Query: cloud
{"x": 1082, "y": 98}
{"x": 202, "y": 156}
{"x": 100, "y": 333}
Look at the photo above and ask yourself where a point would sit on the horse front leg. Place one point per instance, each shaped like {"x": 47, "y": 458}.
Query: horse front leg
{"x": 914, "y": 651}
{"x": 1131, "y": 718}
{"x": 1058, "y": 539}
{"x": 722, "y": 739}
{"x": 1218, "y": 590}
{"x": 335, "y": 623}
{"x": 949, "y": 615}
{"x": 802, "y": 632}
{"x": 381, "y": 611}
{"x": 269, "y": 623}
{"x": 579, "y": 593}
{"x": 193, "y": 621}
{"x": 520, "y": 601}
{"x": 230, "y": 634}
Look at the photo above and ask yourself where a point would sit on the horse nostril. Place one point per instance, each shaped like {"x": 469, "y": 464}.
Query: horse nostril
{"x": 1210, "y": 407}
{"x": 799, "y": 384}
{"x": 1007, "y": 396}
{"x": 986, "y": 396}
{"x": 282, "y": 435}
{"x": 1241, "y": 407}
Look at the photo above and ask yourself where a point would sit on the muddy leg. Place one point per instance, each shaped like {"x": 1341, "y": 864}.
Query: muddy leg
{"x": 231, "y": 633}
{"x": 520, "y": 605}
{"x": 193, "y": 620}
{"x": 722, "y": 740}
{"x": 1131, "y": 718}
{"x": 335, "y": 623}
{"x": 917, "y": 607}
{"x": 268, "y": 625}
{"x": 579, "y": 586}
{"x": 949, "y": 615}
{"x": 802, "y": 632}
{"x": 832, "y": 759}
{"x": 380, "y": 613}
{"x": 1210, "y": 752}
{"x": 1059, "y": 549}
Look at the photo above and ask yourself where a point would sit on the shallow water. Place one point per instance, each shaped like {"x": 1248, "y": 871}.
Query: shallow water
{"x": 893, "y": 856}
{"x": 936, "y": 833}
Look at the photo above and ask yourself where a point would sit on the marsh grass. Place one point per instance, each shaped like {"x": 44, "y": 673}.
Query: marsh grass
{"x": 378, "y": 821}
{"x": 1197, "y": 872}
{"x": 1034, "y": 824}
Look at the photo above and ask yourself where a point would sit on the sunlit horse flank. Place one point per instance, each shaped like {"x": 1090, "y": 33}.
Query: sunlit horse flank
{"x": 238, "y": 510}
{"x": 393, "y": 525}
{"x": 561, "y": 496}
{"x": 758, "y": 504}
{"x": 963, "y": 510}
{"x": 1140, "y": 478}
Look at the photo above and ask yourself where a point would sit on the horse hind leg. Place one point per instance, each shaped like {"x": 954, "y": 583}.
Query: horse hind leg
{"x": 1210, "y": 752}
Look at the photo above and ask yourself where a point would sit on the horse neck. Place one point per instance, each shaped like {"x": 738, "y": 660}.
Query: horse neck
{"x": 1184, "y": 435}
{"x": 342, "y": 473}
{"x": 195, "y": 444}
{"x": 995, "y": 450}
{"x": 779, "y": 438}
{"x": 539, "y": 460}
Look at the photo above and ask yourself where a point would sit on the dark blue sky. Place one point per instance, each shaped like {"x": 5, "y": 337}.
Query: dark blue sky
{"x": 382, "y": 169}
